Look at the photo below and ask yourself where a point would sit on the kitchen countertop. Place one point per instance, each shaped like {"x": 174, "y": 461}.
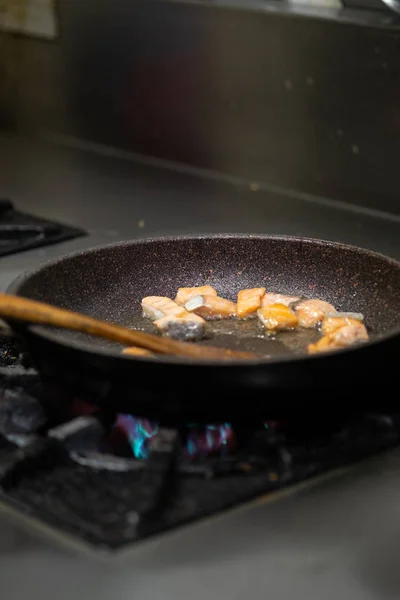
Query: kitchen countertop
{"x": 337, "y": 537}
{"x": 117, "y": 199}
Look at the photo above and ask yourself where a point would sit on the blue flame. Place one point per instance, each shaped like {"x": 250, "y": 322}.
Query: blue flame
{"x": 201, "y": 441}
{"x": 139, "y": 432}
{"x": 209, "y": 440}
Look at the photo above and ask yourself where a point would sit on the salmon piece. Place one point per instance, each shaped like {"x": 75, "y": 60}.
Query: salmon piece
{"x": 344, "y": 336}
{"x": 324, "y": 344}
{"x": 211, "y": 307}
{"x": 277, "y": 317}
{"x": 311, "y": 312}
{"x": 186, "y": 327}
{"x": 350, "y": 334}
{"x": 156, "y": 307}
{"x": 172, "y": 320}
{"x": 271, "y": 298}
{"x": 249, "y": 301}
{"x": 185, "y": 294}
{"x": 334, "y": 321}
{"x": 136, "y": 351}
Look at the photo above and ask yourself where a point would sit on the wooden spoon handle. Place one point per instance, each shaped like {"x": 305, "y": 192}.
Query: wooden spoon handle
{"x": 32, "y": 311}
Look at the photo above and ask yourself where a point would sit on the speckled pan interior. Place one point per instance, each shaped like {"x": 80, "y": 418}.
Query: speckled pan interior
{"x": 109, "y": 282}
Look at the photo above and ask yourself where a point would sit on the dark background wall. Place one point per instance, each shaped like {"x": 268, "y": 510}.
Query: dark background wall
{"x": 301, "y": 102}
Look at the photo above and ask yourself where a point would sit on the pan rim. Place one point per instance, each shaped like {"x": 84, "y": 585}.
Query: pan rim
{"x": 49, "y": 335}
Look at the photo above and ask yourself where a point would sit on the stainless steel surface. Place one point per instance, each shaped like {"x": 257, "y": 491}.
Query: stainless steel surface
{"x": 338, "y": 538}
{"x": 367, "y": 5}
{"x": 296, "y": 97}
{"x": 335, "y": 539}
{"x": 393, "y": 5}
{"x": 119, "y": 199}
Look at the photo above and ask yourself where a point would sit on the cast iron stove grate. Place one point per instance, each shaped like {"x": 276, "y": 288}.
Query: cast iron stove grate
{"x": 112, "y": 480}
{"x": 20, "y": 231}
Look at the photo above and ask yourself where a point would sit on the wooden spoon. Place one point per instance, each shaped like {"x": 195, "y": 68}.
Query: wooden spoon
{"x": 34, "y": 312}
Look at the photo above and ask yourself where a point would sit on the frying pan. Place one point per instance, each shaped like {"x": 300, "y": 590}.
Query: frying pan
{"x": 108, "y": 283}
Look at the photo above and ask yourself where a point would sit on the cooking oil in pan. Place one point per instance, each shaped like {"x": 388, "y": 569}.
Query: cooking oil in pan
{"x": 246, "y": 335}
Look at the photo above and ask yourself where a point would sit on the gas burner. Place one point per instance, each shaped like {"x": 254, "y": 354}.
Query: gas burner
{"x": 111, "y": 480}
{"x": 197, "y": 441}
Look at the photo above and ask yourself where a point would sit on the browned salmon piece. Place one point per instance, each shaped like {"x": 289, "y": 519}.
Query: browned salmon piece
{"x": 211, "y": 307}
{"x": 249, "y": 301}
{"x": 324, "y": 344}
{"x": 340, "y": 338}
{"x": 186, "y": 327}
{"x": 277, "y": 317}
{"x": 334, "y": 321}
{"x": 185, "y": 294}
{"x": 135, "y": 351}
{"x": 156, "y": 307}
{"x": 271, "y": 298}
{"x": 311, "y": 312}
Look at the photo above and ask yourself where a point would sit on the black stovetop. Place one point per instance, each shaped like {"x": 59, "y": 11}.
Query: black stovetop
{"x": 110, "y": 480}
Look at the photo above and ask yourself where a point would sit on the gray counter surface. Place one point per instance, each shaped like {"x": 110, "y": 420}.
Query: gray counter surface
{"x": 338, "y": 537}
{"x": 119, "y": 199}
